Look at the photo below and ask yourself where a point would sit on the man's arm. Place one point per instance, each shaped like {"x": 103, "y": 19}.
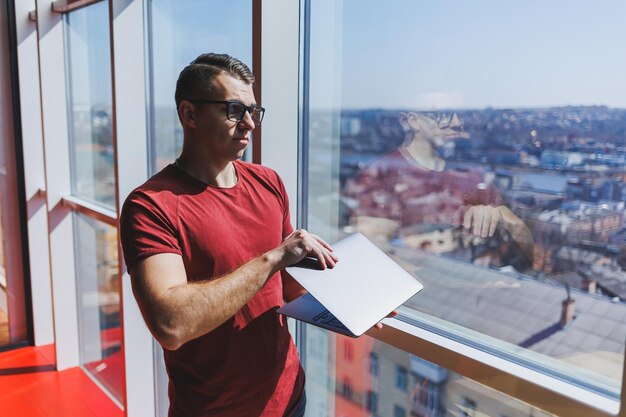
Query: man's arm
{"x": 177, "y": 311}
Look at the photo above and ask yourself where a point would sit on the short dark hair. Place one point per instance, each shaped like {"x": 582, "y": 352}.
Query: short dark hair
{"x": 196, "y": 79}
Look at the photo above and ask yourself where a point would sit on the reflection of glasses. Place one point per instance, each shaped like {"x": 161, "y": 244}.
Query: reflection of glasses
{"x": 445, "y": 121}
{"x": 236, "y": 110}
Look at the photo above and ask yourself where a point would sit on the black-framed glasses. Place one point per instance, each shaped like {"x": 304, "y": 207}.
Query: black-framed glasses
{"x": 445, "y": 121}
{"x": 236, "y": 110}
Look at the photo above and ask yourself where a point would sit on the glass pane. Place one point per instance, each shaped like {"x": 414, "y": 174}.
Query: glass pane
{"x": 89, "y": 80}
{"x": 4, "y": 307}
{"x": 506, "y": 120}
{"x": 396, "y": 383}
{"x": 99, "y": 302}
{"x": 179, "y": 32}
{"x": 14, "y": 327}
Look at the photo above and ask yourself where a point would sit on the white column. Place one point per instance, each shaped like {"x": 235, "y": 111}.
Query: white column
{"x": 279, "y": 69}
{"x": 132, "y": 169}
{"x": 57, "y": 162}
{"x": 34, "y": 173}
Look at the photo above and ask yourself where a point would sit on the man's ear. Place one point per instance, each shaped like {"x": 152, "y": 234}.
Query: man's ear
{"x": 413, "y": 121}
{"x": 187, "y": 113}
{"x": 403, "y": 118}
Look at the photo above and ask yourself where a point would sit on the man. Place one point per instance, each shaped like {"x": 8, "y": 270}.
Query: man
{"x": 205, "y": 240}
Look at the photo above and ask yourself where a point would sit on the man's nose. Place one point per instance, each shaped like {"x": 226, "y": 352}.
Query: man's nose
{"x": 247, "y": 122}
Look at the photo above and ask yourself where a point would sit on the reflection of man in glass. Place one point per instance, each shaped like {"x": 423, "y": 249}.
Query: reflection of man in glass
{"x": 413, "y": 187}
{"x": 205, "y": 241}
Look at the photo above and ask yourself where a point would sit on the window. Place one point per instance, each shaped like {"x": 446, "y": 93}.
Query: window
{"x": 4, "y": 316}
{"x": 13, "y": 310}
{"x": 99, "y": 302}
{"x": 407, "y": 153}
{"x": 469, "y": 408}
{"x": 401, "y": 378}
{"x": 425, "y": 394}
{"x": 335, "y": 389}
{"x": 374, "y": 366}
{"x": 179, "y": 32}
{"x": 398, "y": 411}
{"x": 372, "y": 402}
{"x": 348, "y": 353}
{"x": 88, "y": 74}
{"x": 90, "y": 104}
{"x": 346, "y": 388}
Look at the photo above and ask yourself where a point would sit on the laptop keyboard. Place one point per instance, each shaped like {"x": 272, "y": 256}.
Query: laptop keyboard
{"x": 327, "y": 318}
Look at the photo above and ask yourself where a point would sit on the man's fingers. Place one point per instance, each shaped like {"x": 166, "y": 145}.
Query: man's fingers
{"x": 493, "y": 225}
{"x": 477, "y": 221}
{"x": 327, "y": 249}
{"x": 394, "y": 313}
{"x": 467, "y": 218}
{"x": 486, "y": 221}
{"x": 322, "y": 242}
{"x": 318, "y": 253}
{"x": 330, "y": 260}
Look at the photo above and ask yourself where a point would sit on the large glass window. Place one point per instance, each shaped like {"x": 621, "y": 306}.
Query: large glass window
{"x": 179, "y": 32}
{"x": 14, "y": 327}
{"x": 99, "y": 302}
{"x": 334, "y": 389}
{"x": 90, "y": 104}
{"x": 88, "y": 72}
{"x": 4, "y": 307}
{"x": 482, "y": 145}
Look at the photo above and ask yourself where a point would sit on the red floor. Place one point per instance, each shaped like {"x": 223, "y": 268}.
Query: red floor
{"x": 30, "y": 387}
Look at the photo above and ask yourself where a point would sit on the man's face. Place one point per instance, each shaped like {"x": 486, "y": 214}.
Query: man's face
{"x": 225, "y": 140}
{"x": 435, "y": 129}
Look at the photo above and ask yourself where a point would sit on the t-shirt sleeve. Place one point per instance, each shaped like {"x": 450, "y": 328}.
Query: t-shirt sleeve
{"x": 146, "y": 229}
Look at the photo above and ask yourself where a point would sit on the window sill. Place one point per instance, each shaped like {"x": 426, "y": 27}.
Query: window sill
{"x": 67, "y": 6}
{"x": 549, "y": 393}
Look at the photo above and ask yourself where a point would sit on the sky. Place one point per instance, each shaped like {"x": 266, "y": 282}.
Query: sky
{"x": 182, "y": 30}
{"x": 415, "y": 54}
{"x": 428, "y": 54}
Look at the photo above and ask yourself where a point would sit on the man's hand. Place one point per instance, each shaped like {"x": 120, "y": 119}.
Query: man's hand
{"x": 300, "y": 244}
{"x": 379, "y": 325}
{"x": 483, "y": 220}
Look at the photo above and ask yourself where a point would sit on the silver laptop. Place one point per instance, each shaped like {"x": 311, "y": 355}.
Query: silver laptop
{"x": 362, "y": 289}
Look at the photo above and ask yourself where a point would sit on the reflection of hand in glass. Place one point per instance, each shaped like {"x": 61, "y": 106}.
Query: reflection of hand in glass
{"x": 483, "y": 220}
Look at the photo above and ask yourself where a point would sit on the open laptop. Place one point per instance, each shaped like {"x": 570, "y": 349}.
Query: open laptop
{"x": 362, "y": 289}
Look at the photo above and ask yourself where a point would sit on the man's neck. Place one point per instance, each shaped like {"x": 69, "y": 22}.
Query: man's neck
{"x": 221, "y": 175}
{"x": 422, "y": 153}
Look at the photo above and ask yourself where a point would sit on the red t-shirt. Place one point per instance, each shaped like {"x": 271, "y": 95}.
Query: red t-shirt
{"x": 393, "y": 187}
{"x": 248, "y": 366}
